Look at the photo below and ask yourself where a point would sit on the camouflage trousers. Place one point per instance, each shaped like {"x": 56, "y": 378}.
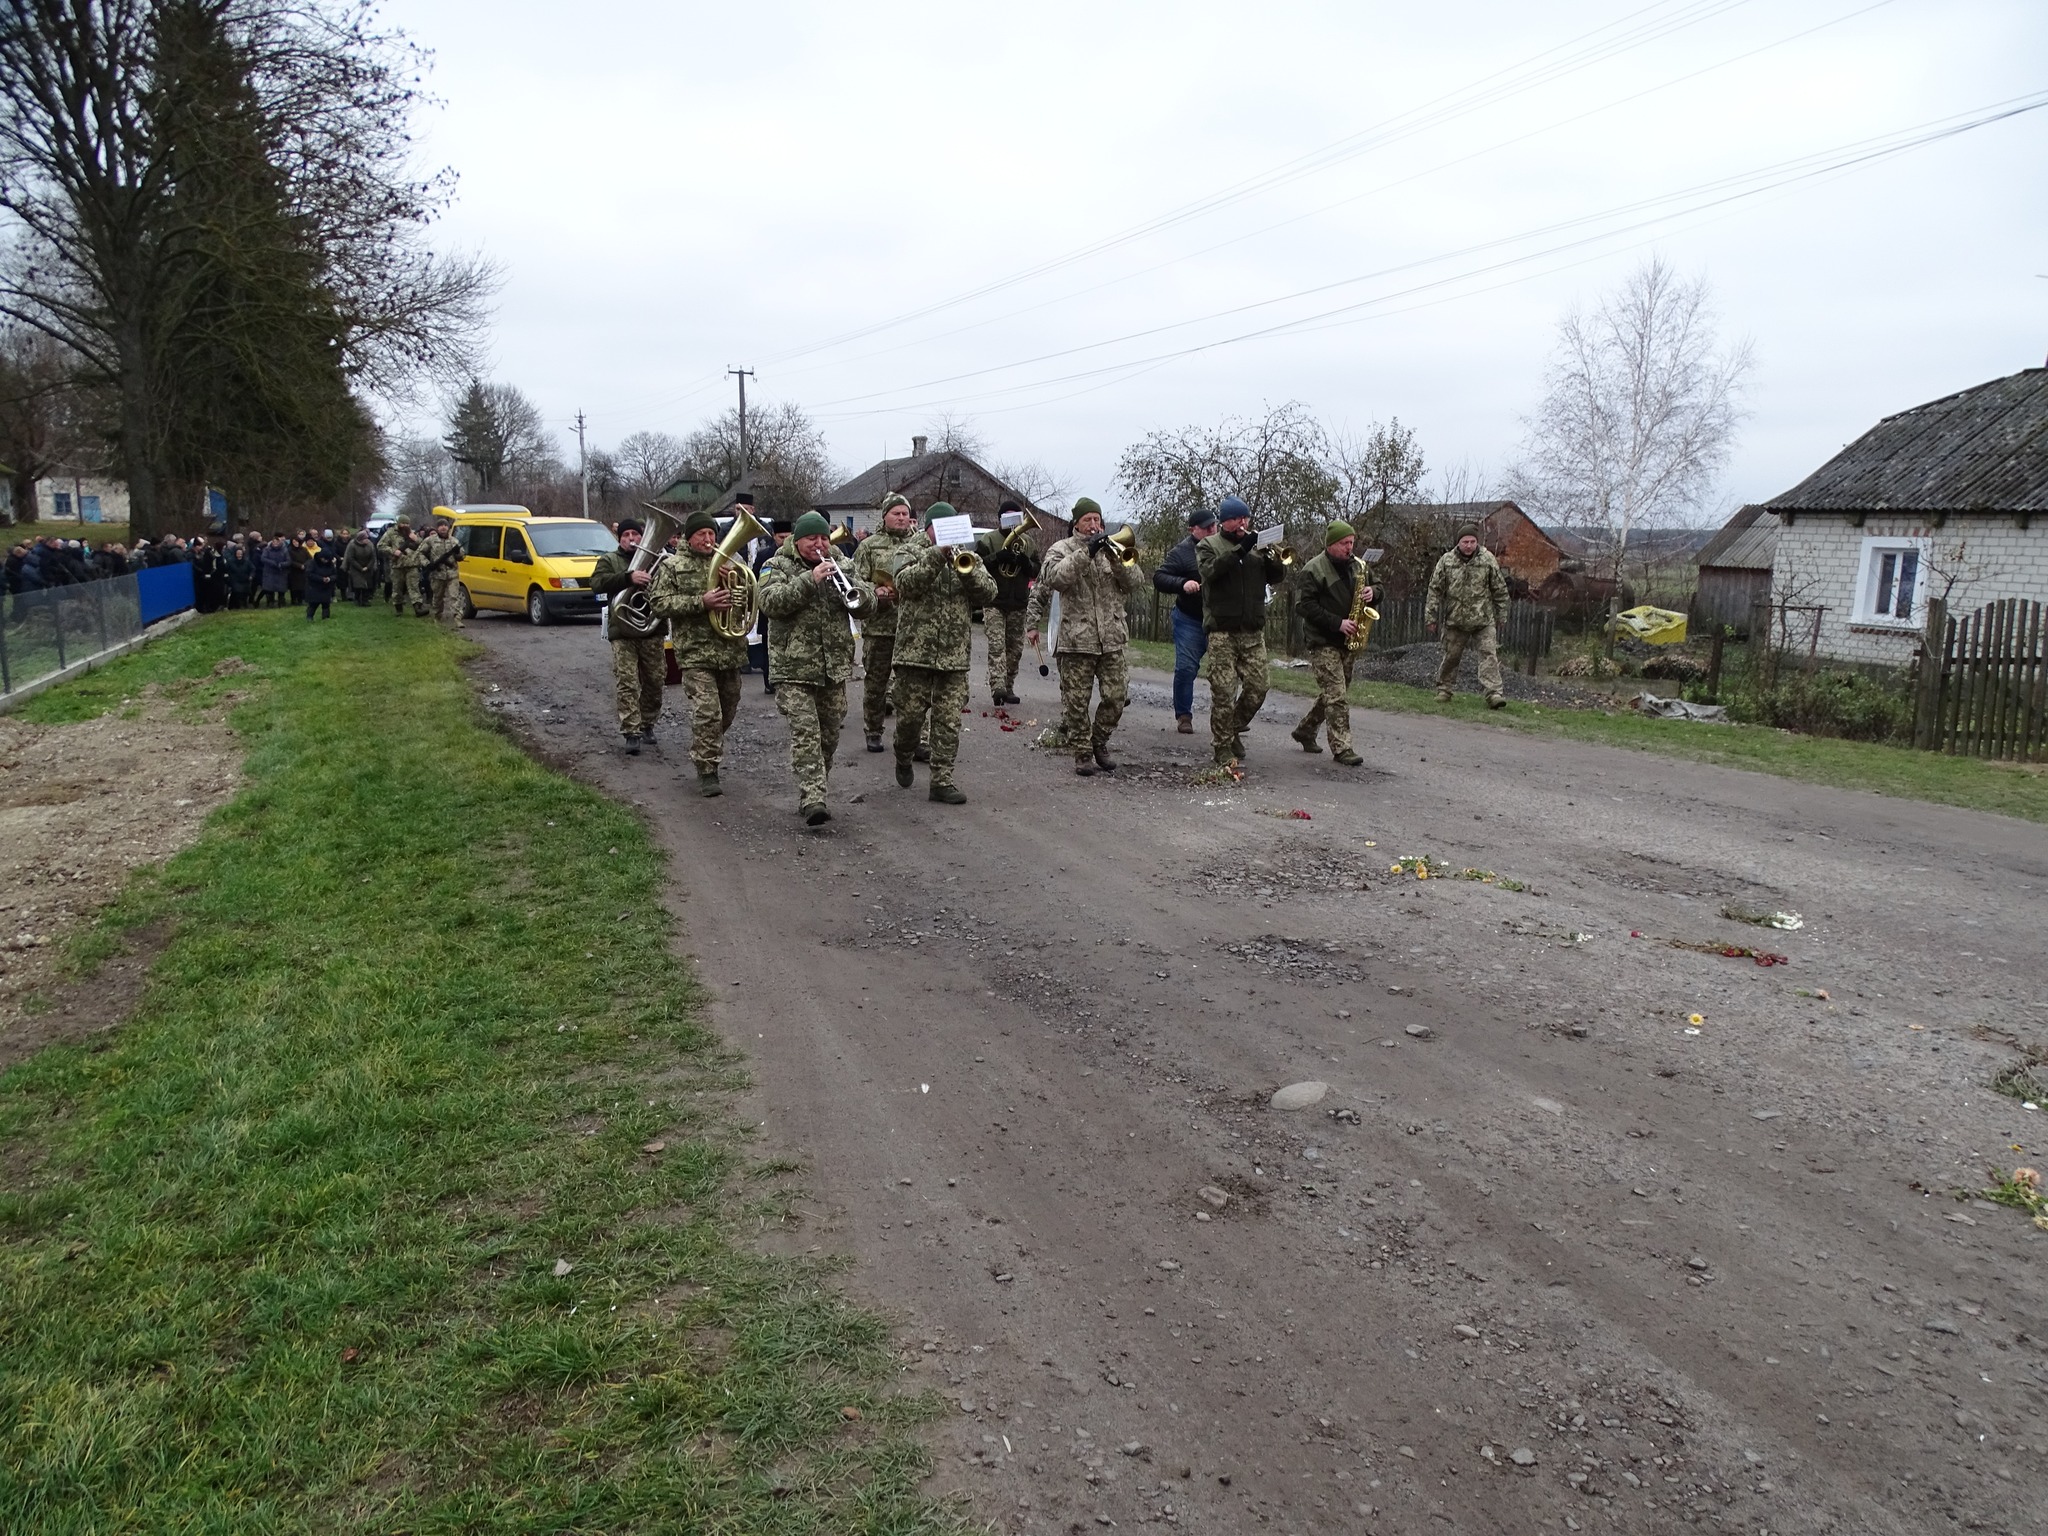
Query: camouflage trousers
{"x": 1237, "y": 684}
{"x": 1079, "y": 676}
{"x": 714, "y": 694}
{"x": 1332, "y": 668}
{"x": 926, "y": 691}
{"x": 1456, "y": 643}
{"x": 447, "y": 599}
{"x": 1005, "y": 634}
{"x": 637, "y": 674}
{"x": 815, "y": 713}
{"x": 405, "y": 588}
{"x": 875, "y": 651}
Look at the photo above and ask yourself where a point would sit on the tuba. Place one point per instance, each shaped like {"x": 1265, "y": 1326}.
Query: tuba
{"x": 1361, "y": 615}
{"x": 630, "y": 612}
{"x": 728, "y": 570}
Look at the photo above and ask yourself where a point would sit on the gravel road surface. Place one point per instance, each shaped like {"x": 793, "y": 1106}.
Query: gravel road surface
{"x": 1544, "y": 1255}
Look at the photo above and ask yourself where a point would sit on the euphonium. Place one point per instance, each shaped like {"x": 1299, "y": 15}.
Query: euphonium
{"x": 729, "y": 571}
{"x": 1361, "y": 615}
{"x": 630, "y": 612}
{"x": 1017, "y": 534}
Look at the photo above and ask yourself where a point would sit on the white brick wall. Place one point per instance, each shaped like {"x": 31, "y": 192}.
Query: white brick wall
{"x": 1819, "y": 562}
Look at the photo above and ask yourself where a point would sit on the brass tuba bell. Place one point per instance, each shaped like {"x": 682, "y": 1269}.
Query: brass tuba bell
{"x": 729, "y": 571}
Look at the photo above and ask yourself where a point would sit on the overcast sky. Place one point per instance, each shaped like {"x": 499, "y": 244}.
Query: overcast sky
{"x": 675, "y": 188}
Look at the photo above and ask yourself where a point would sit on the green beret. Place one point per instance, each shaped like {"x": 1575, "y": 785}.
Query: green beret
{"x": 1083, "y": 507}
{"x": 938, "y": 509}
{"x": 698, "y": 521}
{"x": 810, "y": 525}
{"x": 1338, "y": 532}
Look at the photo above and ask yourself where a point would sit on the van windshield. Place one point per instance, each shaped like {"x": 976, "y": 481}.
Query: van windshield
{"x": 578, "y": 538}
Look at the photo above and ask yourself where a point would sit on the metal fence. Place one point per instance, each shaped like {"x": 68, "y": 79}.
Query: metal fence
{"x": 1528, "y": 633}
{"x": 46, "y": 631}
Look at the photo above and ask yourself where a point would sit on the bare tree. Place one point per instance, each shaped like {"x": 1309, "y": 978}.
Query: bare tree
{"x": 46, "y": 415}
{"x": 1639, "y": 411}
{"x": 648, "y": 462}
{"x": 1037, "y": 483}
{"x": 501, "y": 441}
{"x": 422, "y": 475}
{"x": 951, "y": 433}
{"x": 786, "y": 447}
{"x": 1385, "y": 465}
{"x": 1278, "y": 464}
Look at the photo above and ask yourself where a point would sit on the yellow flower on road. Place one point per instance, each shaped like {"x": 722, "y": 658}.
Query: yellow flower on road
{"x": 1695, "y": 1018}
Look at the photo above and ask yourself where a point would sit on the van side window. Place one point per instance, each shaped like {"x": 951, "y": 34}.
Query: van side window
{"x": 482, "y": 543}
{"x": 515, "y": 547}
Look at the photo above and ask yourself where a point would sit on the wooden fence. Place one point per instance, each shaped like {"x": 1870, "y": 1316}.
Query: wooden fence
{"x": 1982, "y": 689}
{"x": 1528, "y": 633}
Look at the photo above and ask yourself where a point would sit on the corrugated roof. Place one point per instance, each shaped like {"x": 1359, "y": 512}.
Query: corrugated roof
{"x": 1755, "y": 548}
{"x": 1731, "y": 530}
{"x": 867, "y": 488}
{"x": 1983, "y": 450}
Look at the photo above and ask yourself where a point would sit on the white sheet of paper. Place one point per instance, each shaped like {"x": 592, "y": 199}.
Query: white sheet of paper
{"x": 1375, "y": 556}
{"x": 1052, "y": 625}
{"x": 951, "y": 532}
{"x": 1271, "y": 535}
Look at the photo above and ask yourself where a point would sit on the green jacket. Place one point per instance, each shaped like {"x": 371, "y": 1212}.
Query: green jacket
{"x": 811, "y": 640}
{"x": 608, "y": 576}
{"x": 934, "y": 623}
{"x": 1013, "y": 569}
{"x": 1467, "y": 594}
{"x": 359, "y": 561}
{"x": 877, "y": 556}
{"x": 1323, "y": 594}
{"x": 677, "y": 594}
{"x": 1234, "y": 581}
{"x": 398, "y": 546}
{"x": 1093, "y": 589}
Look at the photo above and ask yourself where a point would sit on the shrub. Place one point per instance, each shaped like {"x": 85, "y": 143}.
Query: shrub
{"x": 1856, "y": 704}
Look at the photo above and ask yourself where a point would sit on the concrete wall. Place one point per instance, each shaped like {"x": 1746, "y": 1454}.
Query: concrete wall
{"x": 113, "y": 495}
{"x": 1820, "y": 561}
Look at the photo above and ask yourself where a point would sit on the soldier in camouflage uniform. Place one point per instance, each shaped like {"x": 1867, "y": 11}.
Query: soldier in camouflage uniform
{"x": 1094, "y": 583}
{"x": 710, "y": 662}
{"x": 1015, "y": 567}
{"x": 438, "y": 556}
{"x": 1325, "y": 591}
{"x": 396, "y": 548}
{"x": 934, "y": 631}
{"x": 637, "y": 670}
{"x": 1468, "y": 595}
{"x": 1235, "y": 574}
{"x": 875, "y": 563}
{"x": 812, "y": 653}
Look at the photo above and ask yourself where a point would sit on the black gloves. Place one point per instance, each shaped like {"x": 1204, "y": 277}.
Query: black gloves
{"x": 1098, "y": 544}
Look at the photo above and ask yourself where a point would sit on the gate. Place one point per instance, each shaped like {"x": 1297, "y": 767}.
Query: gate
{"x": 1982, "y": 689}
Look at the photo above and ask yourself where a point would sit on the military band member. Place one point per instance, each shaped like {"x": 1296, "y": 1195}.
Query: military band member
{"x": 1325, "y": 592}
{"x": 933, "y": 643}
{"x": 1093, "y": 582}
{"x": 875, "y": 563}
{"x": 1468, "y": 595}
{"x": 709, "y": 661}
{"x": 1015, "y": 566}
{"x": 637, "y": 670}
{"x": 1235, "y": 573}
{"x": 438, "y": 556}
{"x": 812, "y": 652}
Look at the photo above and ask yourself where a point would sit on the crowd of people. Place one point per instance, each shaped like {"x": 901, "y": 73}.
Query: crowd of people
{"x": 311, "y": 568}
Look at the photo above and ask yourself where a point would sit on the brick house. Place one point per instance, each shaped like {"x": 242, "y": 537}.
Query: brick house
{"x": 925, "y": 477}
{"x": 1414, "y": 534}
{"x": 1946, "y": 500}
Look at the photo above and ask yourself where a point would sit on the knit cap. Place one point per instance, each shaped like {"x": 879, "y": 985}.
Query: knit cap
{"x": 1468, "y": 530}
{"x": 938, "y": 509}
{"x": 1338, "y": 532}
{"x": 810, "y": 525}
{"x": 697, "y": 522}
{"x": 1231, "y": 507}
{"x": 1083, "y": 506}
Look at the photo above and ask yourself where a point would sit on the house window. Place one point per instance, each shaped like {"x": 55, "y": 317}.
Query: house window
{"x": 63, "y": 504}
{"x": 1892, "y": 588}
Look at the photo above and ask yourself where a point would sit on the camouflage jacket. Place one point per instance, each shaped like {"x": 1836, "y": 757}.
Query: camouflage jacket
{"x": 1467, "y": 594}
{"x": 1093, "y": 590}
{"x": 934, "y": 626}
{"x": 677, "y": 593}
{"x": 397, "y": 546}
{"x": 876, "y": 559}
{"x": 811, "y": 638}
{"x": 437, "y": 557}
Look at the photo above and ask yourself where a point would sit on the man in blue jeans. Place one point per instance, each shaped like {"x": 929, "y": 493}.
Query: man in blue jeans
{"x": 1180, "y": 577}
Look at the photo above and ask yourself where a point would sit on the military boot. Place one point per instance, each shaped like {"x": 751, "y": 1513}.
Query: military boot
{"x": 948, "y": 794}
{"x": 708, "y": 785}
{"x": 815, "y": 814}
{"x": 1085, "y": 767}
{"x": 1308, "y": 741}
{"x": 905, "y": 776}
{"x": 1348, "y": 758}
{"x": 632, "y": 743}
{"x": 1103, "y": 760}
{"x": 874, "y": 741}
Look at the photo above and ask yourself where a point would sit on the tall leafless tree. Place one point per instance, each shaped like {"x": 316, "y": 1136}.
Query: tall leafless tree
{"x": 1278, "y": 463}
{"x": 645, "y": 463}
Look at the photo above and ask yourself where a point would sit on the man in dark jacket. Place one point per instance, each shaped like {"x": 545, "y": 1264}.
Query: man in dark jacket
{"x": 1324, "y": 595}
{"x": 1015, "y": 566}
{"x": 1180, "y": 577}
{"x": 1236, "y": 570}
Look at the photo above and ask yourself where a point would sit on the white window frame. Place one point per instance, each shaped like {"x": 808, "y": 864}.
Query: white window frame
{"x": 1869, "y": 566}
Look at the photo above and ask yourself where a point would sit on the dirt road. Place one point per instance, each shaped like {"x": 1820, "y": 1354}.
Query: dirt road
{"x": 1542, "y": 1258}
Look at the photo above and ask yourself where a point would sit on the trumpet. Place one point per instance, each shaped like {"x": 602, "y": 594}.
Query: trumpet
{"x": 841, "y": 583}
{"x": 1125, "y": 543}
{"x": 965, "y": 559}
{"x": 1283, "y": 552}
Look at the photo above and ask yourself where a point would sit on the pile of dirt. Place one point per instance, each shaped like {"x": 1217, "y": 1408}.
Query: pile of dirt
{"x": 80, "y": 806}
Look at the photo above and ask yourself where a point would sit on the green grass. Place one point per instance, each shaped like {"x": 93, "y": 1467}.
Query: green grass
{"x": 279, "y": 1256}
{"x": 2003, "y": 788}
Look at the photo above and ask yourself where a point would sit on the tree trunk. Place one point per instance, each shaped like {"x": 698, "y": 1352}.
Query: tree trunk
{"x": 25, "y": 508}
{"x": 138, "y": 435}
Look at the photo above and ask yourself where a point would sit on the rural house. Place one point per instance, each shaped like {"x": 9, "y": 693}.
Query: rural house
{"x": 1735, "y": 570}
{"x": 1414, "y": 534}
{"x": 1948, "y": 500}
{"x": 925, "y": 477}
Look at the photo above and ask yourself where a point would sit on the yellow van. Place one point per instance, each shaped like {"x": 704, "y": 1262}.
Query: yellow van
{"x": 514, "y": 562}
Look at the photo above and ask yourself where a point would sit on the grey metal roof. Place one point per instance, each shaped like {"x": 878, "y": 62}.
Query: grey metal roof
{"x": 1755, "y": 548}
{"x": 1983, "y": 450}
{"x": 1744, "y": 519}
{"x": 945, "y": 466}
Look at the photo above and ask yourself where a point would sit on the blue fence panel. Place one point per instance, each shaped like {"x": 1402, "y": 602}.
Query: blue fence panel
{"x": 165, "y": 589}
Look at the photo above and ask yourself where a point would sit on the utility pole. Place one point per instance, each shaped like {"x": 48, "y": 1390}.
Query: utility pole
{"x": 743, "y": 374}
{"x": 582, "y": 464}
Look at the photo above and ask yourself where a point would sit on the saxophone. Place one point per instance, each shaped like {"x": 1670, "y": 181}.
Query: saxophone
{"x": 1361, "y": 615}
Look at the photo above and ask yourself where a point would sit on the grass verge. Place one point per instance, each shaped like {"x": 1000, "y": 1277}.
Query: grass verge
{"x": 353, "y": 1227}
{"x": 2006, "y": 789}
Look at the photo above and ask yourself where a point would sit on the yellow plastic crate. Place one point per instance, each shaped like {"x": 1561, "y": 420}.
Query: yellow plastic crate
{"x": 1655, "y": 626}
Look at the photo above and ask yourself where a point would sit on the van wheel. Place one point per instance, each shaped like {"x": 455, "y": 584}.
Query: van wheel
{"x": 468, "y": 602}
{"x": 536, "y": 606}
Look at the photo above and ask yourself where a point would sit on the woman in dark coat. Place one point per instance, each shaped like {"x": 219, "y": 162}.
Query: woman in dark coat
{"x": 240, "y": 571}
{"x": 209, "y": 578}
{"x": 299, "y": 554}
{"x": 276, "y": 561}
{"x": 359, "y": 563}
{"x": 321, "y": 574}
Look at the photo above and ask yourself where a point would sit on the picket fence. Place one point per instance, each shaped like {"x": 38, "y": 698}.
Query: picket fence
{"x": 1982, "y": 689}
